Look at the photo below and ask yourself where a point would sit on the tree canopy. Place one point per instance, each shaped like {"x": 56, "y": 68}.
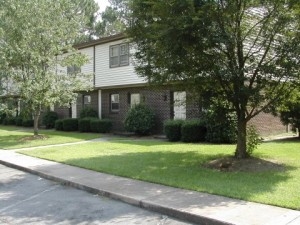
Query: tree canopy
{"x": 247, "y": 50}
{"x": 33, "y": 37}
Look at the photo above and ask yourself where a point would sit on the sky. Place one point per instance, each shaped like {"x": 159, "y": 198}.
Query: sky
{"x": 102, "y": 4}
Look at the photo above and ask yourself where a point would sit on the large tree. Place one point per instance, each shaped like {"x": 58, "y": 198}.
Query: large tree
{"x": 248, "y": 49}
{"x": 112, "y": 19}
{"x": 33, "y": 37}
{"x": 89, "y": 9}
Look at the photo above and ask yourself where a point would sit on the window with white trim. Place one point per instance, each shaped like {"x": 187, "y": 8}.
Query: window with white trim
{"x": 87, "y": 100}
{"x": 119, "y": 55}
{"x": 135, "y": 99}
{"x": 114, "y": 102}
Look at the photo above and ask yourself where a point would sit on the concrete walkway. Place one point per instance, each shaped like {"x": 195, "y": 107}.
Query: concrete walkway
{"x": 196, "y": 207}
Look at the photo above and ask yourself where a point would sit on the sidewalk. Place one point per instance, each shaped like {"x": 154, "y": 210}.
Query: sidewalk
{"x": 196, "y": 207}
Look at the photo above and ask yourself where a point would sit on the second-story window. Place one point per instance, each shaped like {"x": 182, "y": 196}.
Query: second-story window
{"x": 73, "y": 69}
{"x": 119, "y": 55}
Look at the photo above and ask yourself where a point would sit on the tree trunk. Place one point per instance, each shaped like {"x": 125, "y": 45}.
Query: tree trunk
{"x": 36, "y": 123}
{"x": 241, "y": 148}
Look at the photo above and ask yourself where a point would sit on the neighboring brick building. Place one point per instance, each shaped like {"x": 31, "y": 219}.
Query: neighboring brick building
{"x": 117, "y": 87}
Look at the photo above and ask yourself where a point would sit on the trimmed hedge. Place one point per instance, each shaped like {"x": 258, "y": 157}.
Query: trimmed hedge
{"x": 49, "y": 119}
{"x": 59, "y": 125}
{"x": 88, "y": 112}
{"x": 172, "y": 129}
{"x": 27, "y": 123}
{"x": 193, "y": 131}
{"x": 9, "y": 121}
{"x": 140, "y": 119}
{"x": 19, "y": 121}
{"x": 84, "y": 125}
{"x": 70, "y": 124}
{"x": 100, "y": 126}
{"x": 2, "y": 117}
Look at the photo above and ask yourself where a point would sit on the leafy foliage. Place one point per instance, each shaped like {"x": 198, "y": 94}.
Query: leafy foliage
{"x": 70, "y": 124}
{"x": 9, "y": 120}
{"x": 101, "y": 126}
{"x": 220, "y": 122}
{"x": 32, "y": 45}
{"x": 248, "y": 50}
{"x": 290, "y": 111}
{"x": 253, "y": 139}
{"x": 193, "y": 131}
{"x": 84, "y": 124}
{"x": 19, "y": 121}
{"x": 49, "y": 119}
{"x": 139, "y": 119}
{"x": 59, "y": 125}
{"x": 27, "y": 122}
{"x": 88, "y": 112}
{"x": 172, "y": 129}
{"x": 2, "y": 116}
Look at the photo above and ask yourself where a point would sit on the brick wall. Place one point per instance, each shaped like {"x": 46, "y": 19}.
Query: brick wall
{"x": 158, "y": 100}
{"x": 64, "y": 112}
{"x": 267, "y": 124}
{"x": 93, "y": 104}
{"x": 161, "y": 103}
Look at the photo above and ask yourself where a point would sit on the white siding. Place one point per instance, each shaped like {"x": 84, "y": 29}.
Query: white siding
{"x": 60, "y": 69}
{"x": 89, "y": 67}
{"x": 106, "y": 76}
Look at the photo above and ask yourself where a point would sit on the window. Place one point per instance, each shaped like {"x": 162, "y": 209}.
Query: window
{"x": 73, "y": 69}
{"x": 114, "y": 102}
{"x": 119, "y": 55}
{"x": 87, "y": 100}
{"x": 135, "y": 99}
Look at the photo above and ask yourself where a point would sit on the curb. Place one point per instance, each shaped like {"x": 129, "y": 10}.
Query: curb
{"x": 175, "y": 213}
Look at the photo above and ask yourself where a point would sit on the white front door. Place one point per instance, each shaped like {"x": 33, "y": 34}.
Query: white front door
{"x": 180, "y": 105}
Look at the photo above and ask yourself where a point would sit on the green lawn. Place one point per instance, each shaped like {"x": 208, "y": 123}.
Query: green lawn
{"x": 180, "y": 165}
{"x": 12, "y": 137}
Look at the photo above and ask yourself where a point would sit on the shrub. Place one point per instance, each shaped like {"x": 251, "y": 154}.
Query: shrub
{"x": 193, "y": 131}
{"x": 59, "y": 124}
{"x": 70, "y": 124}
{"x": 100, "y": 126}
{"x": 253, "y": 139}
{"x": 49, "y": 119}
{"x": 172, "y": 129}
{"x": 221, "y": 125}
{"x": 27, "y": 123}
{"x": 2, "y": 117}
{"x": 139, "y": 119}
{"x": 9, "y": 121}
{"x": 94, "y": 125}
{"x": 88, "y": 112}
{"x": 19, "y": 121}
{"x": 84, "y": 124}
{"x": 104, "y": 126}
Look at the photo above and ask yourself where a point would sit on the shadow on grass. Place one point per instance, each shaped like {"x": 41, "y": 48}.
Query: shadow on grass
{"x": 185, "y": 170}
{"x": 9, "y": 141}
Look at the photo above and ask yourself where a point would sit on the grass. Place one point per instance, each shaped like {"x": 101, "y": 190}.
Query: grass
{"x": 12, "y": 137}
{"x": 180, "y": 165}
